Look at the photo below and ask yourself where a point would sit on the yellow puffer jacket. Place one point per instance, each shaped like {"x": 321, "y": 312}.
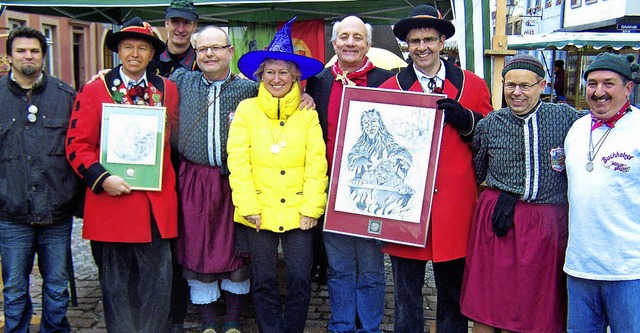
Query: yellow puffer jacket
{"x": 277, "y": 161}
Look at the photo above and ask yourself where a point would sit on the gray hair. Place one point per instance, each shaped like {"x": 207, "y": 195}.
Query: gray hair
{"x": 336, "y": 26}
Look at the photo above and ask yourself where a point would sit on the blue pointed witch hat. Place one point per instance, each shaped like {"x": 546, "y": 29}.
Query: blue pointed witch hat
{"x": 281, "y": 48}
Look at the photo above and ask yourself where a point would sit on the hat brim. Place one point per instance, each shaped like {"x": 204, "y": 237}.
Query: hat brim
{"x": 250, "y": 62}
{"x": 402, "y": 28}
{"x": 115, "y": 38}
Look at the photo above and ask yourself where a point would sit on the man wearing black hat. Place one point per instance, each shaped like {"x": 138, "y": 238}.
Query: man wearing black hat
{"x": 129, "y": 229}
{"x": 454, "y": 198}
{"x": 180, "y": 21}
{"x": 519, "y": 231}
{"x": 603, "y": 167}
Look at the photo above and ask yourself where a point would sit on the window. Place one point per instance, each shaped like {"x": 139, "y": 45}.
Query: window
{"x": 13, "y": 23}
{"x": 49, "y": 32}
{"x": 576, "y": 3}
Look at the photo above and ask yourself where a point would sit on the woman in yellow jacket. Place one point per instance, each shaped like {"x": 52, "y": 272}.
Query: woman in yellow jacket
{"x": 278, "y": 180}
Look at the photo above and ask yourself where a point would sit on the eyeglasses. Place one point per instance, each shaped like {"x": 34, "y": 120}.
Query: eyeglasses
{"x": 523, "y": 86}
{"x": 426, "y": 40}
{"x": 214, "y": 48}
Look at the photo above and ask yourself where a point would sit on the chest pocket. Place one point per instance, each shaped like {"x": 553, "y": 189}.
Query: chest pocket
{"x": 56, "y": 133}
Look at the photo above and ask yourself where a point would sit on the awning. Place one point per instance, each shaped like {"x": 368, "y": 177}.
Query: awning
{"x": 575, "y": 40}
{"x": 220, "y": 12}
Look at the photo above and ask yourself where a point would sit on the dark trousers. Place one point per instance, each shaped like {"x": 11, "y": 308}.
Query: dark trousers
{"x": 179, "y": 291}
{"x": 409, "y": 278}
{"x": 297, "y": 250}
{"x": 135, "y": 279}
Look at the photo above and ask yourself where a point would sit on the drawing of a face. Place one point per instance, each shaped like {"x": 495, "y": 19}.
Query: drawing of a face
{"x": 370, "y": 122}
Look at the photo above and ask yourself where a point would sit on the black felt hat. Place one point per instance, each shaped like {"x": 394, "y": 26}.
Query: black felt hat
{"x": 423, "y": 16}
{"x": 135, "y": 28}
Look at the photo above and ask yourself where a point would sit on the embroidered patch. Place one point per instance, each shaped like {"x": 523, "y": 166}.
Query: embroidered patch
{"x": 617, "y": 161}
{"x": 557, "y": 159}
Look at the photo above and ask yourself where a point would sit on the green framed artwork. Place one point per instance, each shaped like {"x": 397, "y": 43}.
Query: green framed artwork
{"x": 131, "y": 144}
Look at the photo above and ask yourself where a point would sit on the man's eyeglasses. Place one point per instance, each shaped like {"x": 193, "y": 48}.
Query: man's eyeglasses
{"x": 214, "y": 48}
{"x": 523, "y": 86}
{"x": 426, "y": 40}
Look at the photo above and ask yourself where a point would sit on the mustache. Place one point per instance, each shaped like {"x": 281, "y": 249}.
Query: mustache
{"x": 595, "y": 98}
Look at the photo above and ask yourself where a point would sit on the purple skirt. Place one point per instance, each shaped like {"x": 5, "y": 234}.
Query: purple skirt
{"x": 206, "y": 234}
{"x": 516, "y": 282}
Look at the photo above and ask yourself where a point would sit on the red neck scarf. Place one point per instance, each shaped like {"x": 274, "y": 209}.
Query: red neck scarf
{"x": 611, "y": 121}
{"x": 355, "y": 78}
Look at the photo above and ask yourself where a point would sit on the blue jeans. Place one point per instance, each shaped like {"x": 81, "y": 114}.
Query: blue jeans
{"x": 356, "y": 282}
{"x": 594, "y": 305}
{"x": 297, "y": 248}
{"x": 408, "y": 276}
{"x": 19, "y": 242}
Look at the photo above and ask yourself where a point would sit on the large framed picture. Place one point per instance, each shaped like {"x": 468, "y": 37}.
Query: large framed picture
{"x": 384, "y": 166}
{"x": 131, "y": 144}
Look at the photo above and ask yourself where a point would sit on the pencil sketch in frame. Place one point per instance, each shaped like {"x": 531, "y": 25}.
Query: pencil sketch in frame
{"x": 383, "y": 169}
{"x": 132, "y": 144}
{"x": 132, "y": 139}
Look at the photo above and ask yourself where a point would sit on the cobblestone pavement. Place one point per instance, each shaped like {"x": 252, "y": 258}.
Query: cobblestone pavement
{"x": 87, "y": 316}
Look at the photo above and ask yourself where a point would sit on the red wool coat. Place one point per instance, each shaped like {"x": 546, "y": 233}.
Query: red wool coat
{"x": 454, "y": 197}
{"x": 124, "y": 218}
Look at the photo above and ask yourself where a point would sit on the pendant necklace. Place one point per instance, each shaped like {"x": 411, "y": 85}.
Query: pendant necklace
{"x": 277, "y": 144}
{"x": 593, "y": 150}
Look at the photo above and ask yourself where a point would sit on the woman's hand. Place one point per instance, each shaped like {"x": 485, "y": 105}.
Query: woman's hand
{"x": 307, "y": 222}
{"x": 254, "y": 219}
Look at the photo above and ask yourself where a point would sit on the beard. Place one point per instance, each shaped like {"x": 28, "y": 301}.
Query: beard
{"x": 28, "y": 70}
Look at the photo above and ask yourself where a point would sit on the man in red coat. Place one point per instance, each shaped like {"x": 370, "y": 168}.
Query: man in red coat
{"x": 129, "y": 229}
{"x": 454, "y": 197}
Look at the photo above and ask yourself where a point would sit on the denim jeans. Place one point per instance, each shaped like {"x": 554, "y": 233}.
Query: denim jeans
{"x": 19, "y": 243}
{"x": 594, "y": 305}
{"x": 408, "y": 276}
{"x": 356, "y": 282}
{"x": 297, "y": 248}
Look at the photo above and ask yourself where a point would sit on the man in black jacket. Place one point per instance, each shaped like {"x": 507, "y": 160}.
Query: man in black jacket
{"x": 39, "y": 190}
{"x": 355, "y": 275}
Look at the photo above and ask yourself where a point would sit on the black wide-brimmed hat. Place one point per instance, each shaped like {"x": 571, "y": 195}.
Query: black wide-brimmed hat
{"x": 423, "y": 16}
{"x": 135, "y": 28}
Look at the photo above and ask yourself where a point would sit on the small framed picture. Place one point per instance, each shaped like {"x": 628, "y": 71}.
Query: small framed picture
{"x": 131, "y": 144}
{"x": 383, "y": 173}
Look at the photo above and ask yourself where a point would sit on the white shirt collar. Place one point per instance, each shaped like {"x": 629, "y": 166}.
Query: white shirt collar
{"x": 424, "y": 79}
{"x": 126, "y": 79}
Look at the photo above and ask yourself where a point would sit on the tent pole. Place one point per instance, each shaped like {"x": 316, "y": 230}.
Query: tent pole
{"x": 498, "y": 52}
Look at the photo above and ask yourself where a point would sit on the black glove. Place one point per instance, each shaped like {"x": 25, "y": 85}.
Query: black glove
{"x": 455, "y": 114}
{"x": 464, "y": 120}
{"x": 502, "y": 217}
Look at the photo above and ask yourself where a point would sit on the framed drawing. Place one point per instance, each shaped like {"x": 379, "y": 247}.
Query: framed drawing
{"x": 384, "y": 165}
{"x": 131, "y": 144}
